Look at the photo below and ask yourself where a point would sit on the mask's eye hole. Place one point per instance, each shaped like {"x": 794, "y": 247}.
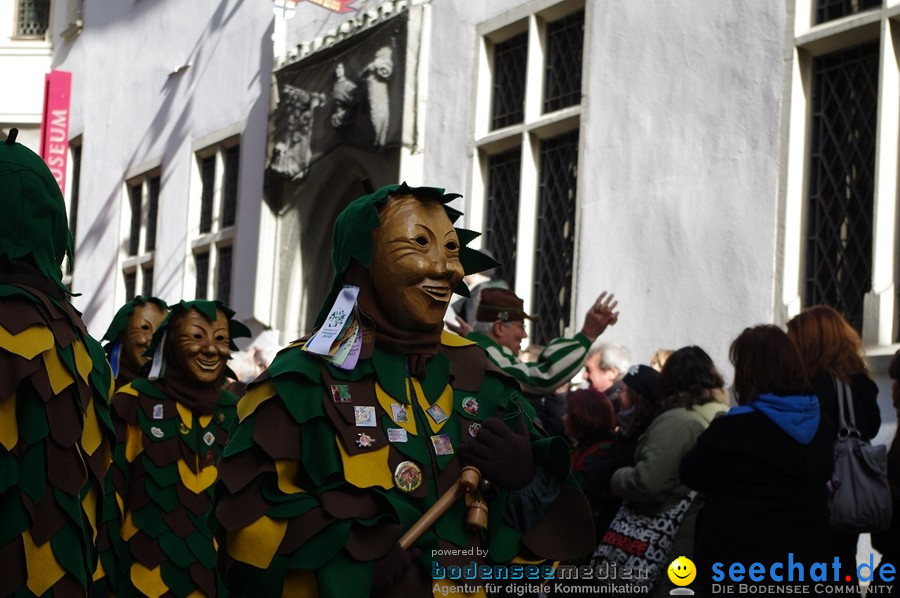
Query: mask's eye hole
{"x": 452, "y": 245}
{"x": 422, "y": 240}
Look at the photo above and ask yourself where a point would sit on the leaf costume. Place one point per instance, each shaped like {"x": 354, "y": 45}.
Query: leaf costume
{"x": 55, "y": 429}
{"x": 311, "y": 492}
{"x": 170, "y": 437}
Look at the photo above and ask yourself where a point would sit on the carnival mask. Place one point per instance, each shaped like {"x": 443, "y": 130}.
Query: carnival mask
{"x": 136, "y": 337}
{"x": 415, "y": 262}
{"x": 199, "y": 347}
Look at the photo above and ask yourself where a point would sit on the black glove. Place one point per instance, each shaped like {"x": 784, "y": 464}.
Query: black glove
{"x": 389, "y": 569}
{"x": 501, "y": 453}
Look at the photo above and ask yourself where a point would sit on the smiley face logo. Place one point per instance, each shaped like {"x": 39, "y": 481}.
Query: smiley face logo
{"x": 682, "y": 571}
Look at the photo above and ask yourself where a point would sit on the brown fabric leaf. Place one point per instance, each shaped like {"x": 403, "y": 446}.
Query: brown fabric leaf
{"x": 14, "y": 369}
{"x": 65, "y": 418}
{"x": 362, "y": 394}
{"x": 301, "y": 529}
{"x": 243, "y": 468}
{"x": 197, "y": 503}
{"x": 345, "y": 504}
{"x": 204, "y": 578}
{"x": 46, "y": 516}
{"x": 467, "y": 366}
{"x": 19, "y": 313}
{"x": 65, "y": 469}
{"x": 179, "y": 522}
{"x": 238, "y": 510}
{"x": 146, "y": 550}
{"x": 137, "y": 497}
{"x": 163, "y": 452}
{"x": 68, "y": 587}
{"x": 41, "y": 382}
{"x": 12, "y": 555}
{"x": 276, "y": 432}
{"x": 367, "y": 543}
{"x": 125, "y": 406}
{"x": 571, "y": 511}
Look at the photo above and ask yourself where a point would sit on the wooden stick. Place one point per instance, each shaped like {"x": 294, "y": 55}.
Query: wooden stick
{"x": 459, "y": 488}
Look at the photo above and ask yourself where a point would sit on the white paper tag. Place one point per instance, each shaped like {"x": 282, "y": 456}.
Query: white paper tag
{"x": 337, "y": 318}
{"x": 156, "y": 370}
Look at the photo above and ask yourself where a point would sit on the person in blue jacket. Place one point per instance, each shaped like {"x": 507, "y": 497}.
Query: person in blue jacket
{"x": 763, "y": 467}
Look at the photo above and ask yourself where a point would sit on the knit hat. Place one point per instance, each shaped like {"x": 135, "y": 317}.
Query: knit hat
{"x": 642, "y": 380}
{"x": 500, "y": 304}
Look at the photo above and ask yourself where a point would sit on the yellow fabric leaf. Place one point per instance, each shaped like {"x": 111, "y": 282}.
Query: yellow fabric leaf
{"x": 287, "y": 473}
{"x": 129, "y": 529}
{"x": 185, "y": 414}
{"x": 454, "y": 340}
{"x": 386, "y": 400}
{"x": 129, "y": 390}
{"x": 32, "y": 341}
{"x": 367, "y": 469}
{"x": 149, "y": 581}
{"x": 256, "y": 543}
{"x": 43, "y": 568}
{"x": 197, "y": 482}
{"x": 254, "y": 398}
{"x": 99, "y": 572}
{"x": 91, "y": 437}
{"x": 9, "y": 427}
{"x": 445, "y": 401}
{"x": 300, "y": 582}
{"x": 89, "y": 506}
{"x": 83, "y": 363}
{"x": 134, "y": 443}
{"x": 56, "y": 371}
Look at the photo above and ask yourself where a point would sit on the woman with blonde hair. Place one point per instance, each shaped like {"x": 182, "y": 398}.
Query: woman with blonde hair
{"x": 833, "y": 353}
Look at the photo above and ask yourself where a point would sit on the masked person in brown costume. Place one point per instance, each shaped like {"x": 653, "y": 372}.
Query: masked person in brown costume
{"x": 350, "y": 437}
{"x": 171, "y": 428}
{"x": 129, "y": 335}
{"x": 55, "y": 432}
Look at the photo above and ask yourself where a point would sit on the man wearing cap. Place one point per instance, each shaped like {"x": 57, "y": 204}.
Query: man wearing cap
{"x": 500, "y": 329}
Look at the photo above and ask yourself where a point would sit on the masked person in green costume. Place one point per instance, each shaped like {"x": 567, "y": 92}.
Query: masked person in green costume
{"x": 350, "y": 436}
{"x": 129, "y": 335}
{"x": 55, "y": 431}
{"x": 171, "y": 429}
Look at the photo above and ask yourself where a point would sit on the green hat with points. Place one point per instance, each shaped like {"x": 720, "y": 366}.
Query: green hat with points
{"x": 352, "y": 239}
{"x": 33, "y": 225}
{"x": 208, "y": 310}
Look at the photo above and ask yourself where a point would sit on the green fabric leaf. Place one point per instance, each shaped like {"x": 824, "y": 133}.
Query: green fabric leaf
{"x": 322, "y": 547}
{"x": 318, "y": 451}
{"x": 34, "y": 462}
{"x": 390, "y": 368}
{"x": 31, "y": 419}
{"x": 150, "y": 521}
{"x": 9, "y": 472}
{"x": 241, "y": 437}
{"x": 68, "y": 548}
{"x": 305, "y": 399}
{"x": 178, "y": 580}
{"x": 202, "y": 548}
{"x": 345, "y": 577}
{"x": 164, "y": 476}
{"x": 261, "y": 582}
{"x": 15, "y": 518}
{"x": 177, "y": 549}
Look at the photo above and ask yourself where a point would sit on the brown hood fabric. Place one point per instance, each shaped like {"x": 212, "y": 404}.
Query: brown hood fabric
{"x": 417, "y": 345}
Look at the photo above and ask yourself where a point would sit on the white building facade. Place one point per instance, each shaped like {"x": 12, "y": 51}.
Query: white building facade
{"x": 716, "y": 165}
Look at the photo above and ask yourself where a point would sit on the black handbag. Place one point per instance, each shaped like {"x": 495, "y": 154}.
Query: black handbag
{"x": 860, "y": 497}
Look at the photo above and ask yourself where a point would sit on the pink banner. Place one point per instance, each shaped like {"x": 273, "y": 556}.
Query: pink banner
{"x": 335, "y": 5}
{"x": 55, "y": 124}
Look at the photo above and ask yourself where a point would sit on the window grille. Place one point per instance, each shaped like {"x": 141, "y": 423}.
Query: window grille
{"x": 555, "y": 253}
{"x": 147, "y": 284}
{"x": 841, "y": 184}
{"x": 201, "y": 262}
{"x": 510, "y": 59}
{"x": 562, "y": 71}
{"x": 152, "y": 210}
{"x": 33, "y": 18}
{"x": 501, "y": 227}
{"x": 134, "y": 233}
{"x": 828, "y": 10}
{"x": 230, "y": 188}
{"x": 223, "y": 276}
{"x": 208, "y": 181}
{"x": 130, "y": 284}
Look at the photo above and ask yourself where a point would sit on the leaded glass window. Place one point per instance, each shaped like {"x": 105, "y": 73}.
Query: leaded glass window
{"x": 134, "y": 231}
{"x": 152, "y": 212}
{"x": 562, "y": 71}
{"x": 147, "y": 285}
{"x": 201, "y": 263}
{"x": 502, "y": 222}
{"x": 33, "y": 18}
{"x": 208, "y": 181}
{"x": 510, "y": 60}
{"x": 223, "y": 276}
{"x": 841, "y": 184}
{"x": 230, "y": 188}
{"x": 555, "y": 253}
{"x": 130, "y": 284}
{"x": 828, "y": 10}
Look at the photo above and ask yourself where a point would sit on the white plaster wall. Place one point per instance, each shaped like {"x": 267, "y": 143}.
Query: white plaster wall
{"x": 135, "y": 112}
{"x": 23, "y": 64}
{"x": 678, "y": 177}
